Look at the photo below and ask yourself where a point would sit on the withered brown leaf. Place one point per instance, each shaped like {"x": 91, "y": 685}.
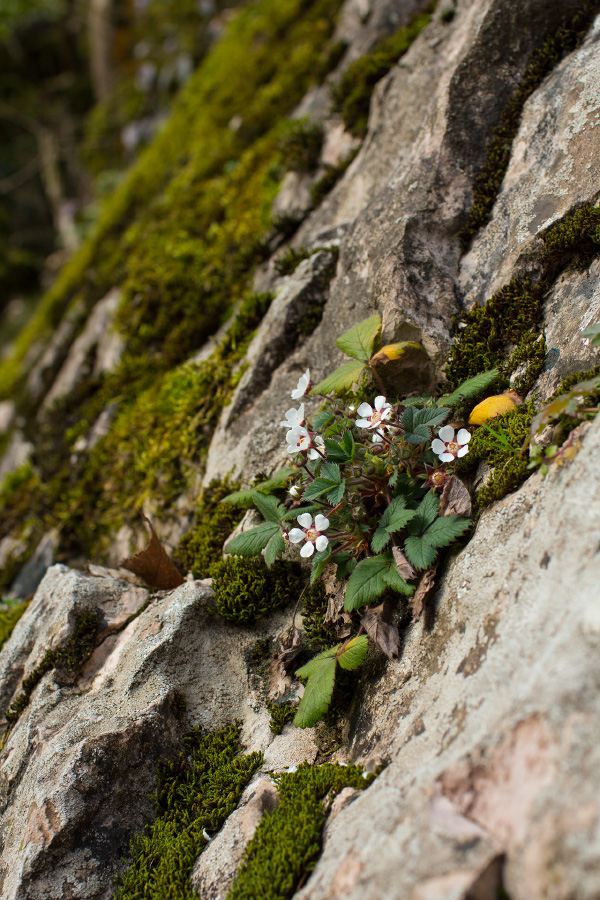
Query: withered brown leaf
{"x": 377, "y": 623}
{"x": 289, "y": 646}
{"x": 424, "y": 587}
{"x": 455, "y": 499}
{"x": 402, "y": 564}
{"x": 153, "y": 565}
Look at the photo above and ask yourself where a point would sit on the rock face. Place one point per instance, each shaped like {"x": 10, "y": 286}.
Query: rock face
{"x": 489, "y": 720}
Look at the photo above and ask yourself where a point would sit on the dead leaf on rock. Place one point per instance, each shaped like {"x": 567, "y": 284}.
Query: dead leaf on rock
{"x": 455, "y": 499}
{"x": 288, "y": 648}
{"x": 402, "y": 564}
{"x": 424, "y": 587}
{"x": 377, "y": 623}
{"x": 153, "y": 564}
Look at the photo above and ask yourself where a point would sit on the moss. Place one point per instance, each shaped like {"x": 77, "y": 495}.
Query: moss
{"x": 301, "y": 145}
{"x": 204, "y": 543}
{"x": 448, "y": 16}
{"x": 498, "y": 150}
{"x": 68, "y": 659}
{"x": 245, "y": 589}
{"x": 352, "y": 95}
{"x": 287, "y": 842}
{"x": 314, "y": 610}
{"x": 281, "y": 714}
{"x": 195, "y": 794}
{"x": 575, "y": 239}
{"x": 9, "y": 616}
{"x": 290, "y": 259}
{"x": 573, "y": 379}
{"x": 259, "y": 657}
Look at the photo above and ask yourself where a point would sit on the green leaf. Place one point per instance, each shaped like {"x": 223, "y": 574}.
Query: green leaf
{"x": 250, "y": 543}
{"x": 349, "y": 444}
{"x": 380, "y": 539}
{"x": 334, "y": 496}
{"x": 359, "y": 341}
{"x": 332, "y": 471}
{"x": 366, "y": 582}
{"x": 432, "y": 416}
{"x": 268, "y": 507}
{"x": 593, "y": 332}
{"x": 320, "y": 672}
{"x": 276, "y": 483}
{"x": 426, "y": 513}
{"x": 320, "y": 560}
{"x": 318, "y": 487}
{"x": 408, "y": 418}
{"x": 345, "y": 564}
{"x": 419, "y": 552}
{"x": 418, "y": 435}
{"x": 275, "y": 549}
{"x": 322, "y": 420}
{"x": 469, "y": 388}
{"x": 396, "y": 582}
{"x": 292, "y": 514}
{"x": 355, "y": 653}
{"x": 445, "y": 530}
{"x": 396, "y": 515}
{"x": 340, "y": 380}
{"x": 341, "y": 451}
{"x": 564, "y": 404}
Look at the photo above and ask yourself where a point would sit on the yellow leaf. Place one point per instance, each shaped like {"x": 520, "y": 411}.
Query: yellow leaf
{"x": 393, "y": 351}
{"x": 494, "y": 406}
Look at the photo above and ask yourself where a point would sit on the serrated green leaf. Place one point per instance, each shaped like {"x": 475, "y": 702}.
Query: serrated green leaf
{"x": 275, "y": 549}
{"x": 250, "y": 543}
{"x": 275, "y": 483}
{"x": 469, "y": 388}
{"x": 393, "y": 478}
{"x": 445, "y": 530}
{"x": 322, "y": 420}
{"x": 341, "y": 451}
{"x": 380, "y": 539}
{"x": 268, "y": 507}
{"x": 332, "y": 471}
{"x": 425, "y": 515}
{"x": 320, "y": 560}
{"x": 334, "y": 496}
{"x": 340, "y": 380}
{"x": 432, "y": 415}
{"x": 318, "y": 487}
{"x": 292, "y": 514}
{"x": 319, "y": 688}
{"x": 418, "y": 435}
{"x": 419, "y": 552}
{"x": 396, "y": 515}
{"x": 359, "y": 341}
{"x": 355, "y": 653}
{"x": 366, "y": 582}
{"x": 396, "y": 582}
{"x": 346, "y": 564}
{"x": 408, "y": 418}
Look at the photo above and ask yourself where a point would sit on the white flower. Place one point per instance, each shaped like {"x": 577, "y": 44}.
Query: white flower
{"x": 294, "y": 417}
{"x": 372, "y": 418}
{"x": 303, "y": 383}
{"x": 295, "y": 491}
{"x": 447, "y": 447}
{"x": 377, "y": 438}
{"x": 351, "y": 409}
{"x": 319, "y": 443}
{"x": 300, "y": 441}
{"x": 312, "y": 534}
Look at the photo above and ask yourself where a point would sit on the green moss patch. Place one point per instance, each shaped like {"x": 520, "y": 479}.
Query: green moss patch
{"x": 9, "y": 616}
{"x": 195, "y": 795}
{"x": 204, "y": 543}
{"x": 351, "y": 97}
{"x": 245, "y": 589}
{"x": 301, "y": 145}
{"x": 287, "y": 842}
{"x": 281, "y": 714}
{"x": 499, "y": 147}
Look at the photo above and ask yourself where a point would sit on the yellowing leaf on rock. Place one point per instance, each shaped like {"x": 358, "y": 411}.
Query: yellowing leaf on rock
{"x": 393, "y": 351}
{"x": 498, "y": 405}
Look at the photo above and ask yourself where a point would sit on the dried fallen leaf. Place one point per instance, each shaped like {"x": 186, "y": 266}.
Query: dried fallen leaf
{"x": 377, "y": 624}
{"x": 455, "y": 499}
{"x": 402, "y": 564}
{"x": 288, "y": 648}
{"x": 153, "y": 564}
{"x": 424, "y": 587}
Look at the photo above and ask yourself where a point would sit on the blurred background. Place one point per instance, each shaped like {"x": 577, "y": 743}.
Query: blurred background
{"x": 84, "y": 86}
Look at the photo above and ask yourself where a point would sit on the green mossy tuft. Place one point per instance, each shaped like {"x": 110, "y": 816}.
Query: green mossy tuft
{"x": 301, "y": 145}
{"x": 287, "y": 842}
{"x": 9, "y": 616}
{"x": 196, "y": 793}
{"x": 245, "y": 589}
{"x": 281, "y": 714}
{"x": 290, "y": 259}
{"x": 69, "y": 659}
{"x": 204, "y": 543}
{"x": 314, "y": 610}
{"x": 575, "y": 239}
{"x": 498, "y": 151}
{"x": 351, "y": 97}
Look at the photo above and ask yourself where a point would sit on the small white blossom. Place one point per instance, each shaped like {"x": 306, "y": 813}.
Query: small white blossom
{"x": 311, "y": 533}
{"x": 351, "y": 409}
{"x": 294, "y": 491}
{"x": 372, "y": 418}
{"x": 294, "y": 417}
{"x": 299, "y": 441}
{"x": 302, "y": 385}
{"x": 448, "y": 447}
{"x": 319, "y": 443}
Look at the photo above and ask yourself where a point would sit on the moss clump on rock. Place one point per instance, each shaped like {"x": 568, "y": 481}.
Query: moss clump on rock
{"x": 287, "y": 842}
{"x": 281, "y": 714}
{"x": 245, "y": 589}
{"x": 352, "y": 95}
{"x": 204, "y": 543}
{"x": 69, "y": 658}
{"x": 195, "y": 794}
{"x": 499, "y": 147}
{"x": 9, "y": 616}
{"x": 301, "y": 145}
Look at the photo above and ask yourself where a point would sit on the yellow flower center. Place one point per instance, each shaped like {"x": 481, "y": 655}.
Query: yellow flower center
{"x": 437, "y": 477}
{"x": 452, "y": 447}
{"x": 312, "y": 534}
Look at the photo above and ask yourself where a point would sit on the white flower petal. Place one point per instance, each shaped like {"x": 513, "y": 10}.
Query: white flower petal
{"x": 321, "y": 522}
{"x": 307, "y": 550}
{"x": 365, "y": 409}
{"x": 296, "y": 535}
{"x": 463, "y": 450}
{"x": 377, "y": 438}
{"x": 321, "y": 542}
{"x": 363, "y": 423}
{"x": 312, "y": 454}
{"x": 295, "y": 490}
{"x": 446, "y": 432}
{"x": 438, "y": 446}
{"x": 305, "y": 519}
{"x": 463, "y": 436}
{"x": 297, "y": 394}
{"x": 380, "y": 402}
{"x": 447, "y": 457}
